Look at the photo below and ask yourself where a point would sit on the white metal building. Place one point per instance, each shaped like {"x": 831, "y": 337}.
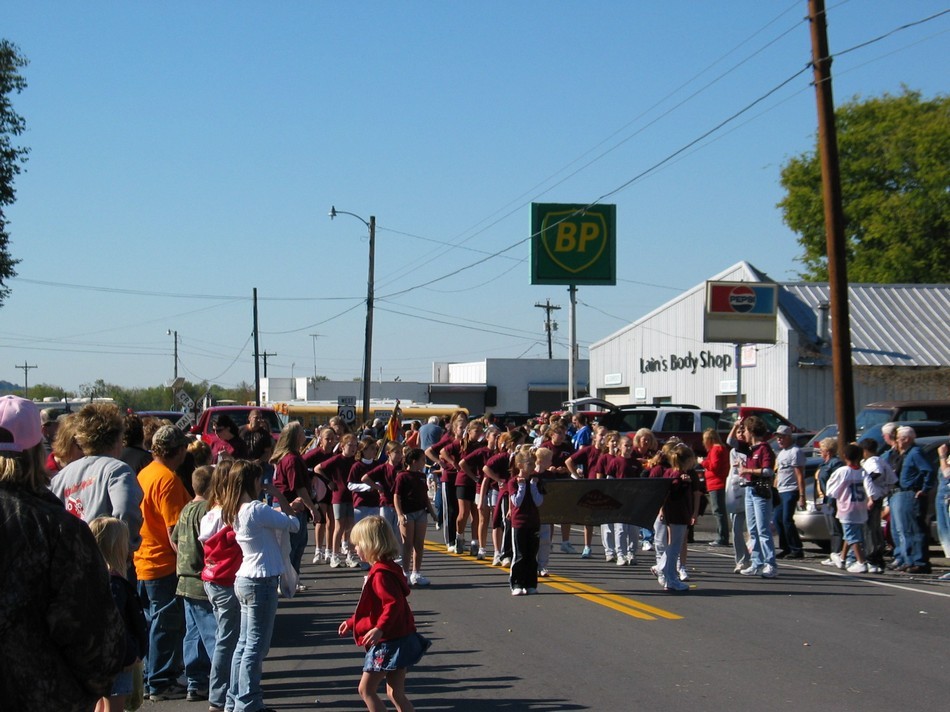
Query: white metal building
{"x": 900, "y": 349}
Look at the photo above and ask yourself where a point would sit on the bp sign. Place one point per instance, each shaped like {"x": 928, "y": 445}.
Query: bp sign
{"x": 573, "y": 244}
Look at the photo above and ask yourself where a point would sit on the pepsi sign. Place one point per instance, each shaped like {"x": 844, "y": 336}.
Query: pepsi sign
{"x": 740, "y": 312}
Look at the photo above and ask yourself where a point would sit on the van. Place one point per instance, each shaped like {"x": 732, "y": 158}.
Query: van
{"x": 901, "y": 411}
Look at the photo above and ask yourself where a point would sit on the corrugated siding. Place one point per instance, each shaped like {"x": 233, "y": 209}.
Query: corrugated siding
{"x": 891, "y": 324}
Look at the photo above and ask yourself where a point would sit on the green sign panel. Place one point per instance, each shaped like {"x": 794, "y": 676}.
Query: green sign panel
{"x": 573, "y": 244}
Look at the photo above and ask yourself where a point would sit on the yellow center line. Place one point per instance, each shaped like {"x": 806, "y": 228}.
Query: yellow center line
{"x": 614, "y": 601}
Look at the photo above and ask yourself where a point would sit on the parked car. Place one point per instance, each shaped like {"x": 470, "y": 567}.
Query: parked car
{"x": 237, "y": 413}
{"x": 686, "y": 422}
{"x": 814, "y": 523}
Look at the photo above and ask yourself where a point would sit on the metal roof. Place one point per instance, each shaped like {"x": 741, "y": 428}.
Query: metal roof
{"x": 891, "y": 324}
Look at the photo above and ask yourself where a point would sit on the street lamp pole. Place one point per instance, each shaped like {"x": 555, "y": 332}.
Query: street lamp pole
{"x": 368, "y": 344}
{"x": 169, "y": 332}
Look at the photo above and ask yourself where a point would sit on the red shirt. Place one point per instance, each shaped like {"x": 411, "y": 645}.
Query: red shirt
{"x": 290, "y": 475}
{"x": 621, "y": 467}
{"x": 383, "y": 604}
{"x": 412, "y": 490}
{"x": 338, "y": 469}
{"x": 369, "y": 498}
{"x": 678, "y": 507}
{"x": 716, "y": 465}
{"x": 385, "y": 476}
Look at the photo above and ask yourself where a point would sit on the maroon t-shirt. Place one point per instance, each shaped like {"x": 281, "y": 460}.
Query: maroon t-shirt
{"x": 290, "y": 475}
{"x": 475, "y": 459}
{"x": 369, "y": 498}
{"x": 621, "y": 467}
{"x": 447, "y": 441}
{"x": 338, "y": 470}
{"x": 385, "y": 476}
{"x": 678, "y": 506}
{"x": 412, "y": 491}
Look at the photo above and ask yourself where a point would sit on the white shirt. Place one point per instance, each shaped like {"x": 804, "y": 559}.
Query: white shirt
{"x": 257, "y": 529}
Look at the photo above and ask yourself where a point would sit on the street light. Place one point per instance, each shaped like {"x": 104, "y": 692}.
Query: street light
{"x": 368, "y": 346}
{"x": 169, "y": 332}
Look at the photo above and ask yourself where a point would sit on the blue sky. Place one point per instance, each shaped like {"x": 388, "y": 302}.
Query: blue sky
{"x": 185, "y": 153}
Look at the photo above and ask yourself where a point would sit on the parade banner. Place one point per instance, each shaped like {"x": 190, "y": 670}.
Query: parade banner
{"x": 634, "y": 501}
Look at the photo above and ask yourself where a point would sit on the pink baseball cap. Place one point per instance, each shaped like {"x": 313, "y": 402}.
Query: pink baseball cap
{"x": 20, "y": 427}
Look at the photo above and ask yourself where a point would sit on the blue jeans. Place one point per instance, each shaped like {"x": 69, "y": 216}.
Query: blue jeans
{"x": 198, "y": 646}
{"x": 785, "y": 522}
{"x": 758, "y": 514}
{"x": 298, "y": 541}
{"x": 943, "y": 517}
{"x": 907, "y": 513}
{"x": 258, "y": 597}
{"x": 166, "y": 630}
{"x": 227, "y": 613}
{"x": 668, "y": 560}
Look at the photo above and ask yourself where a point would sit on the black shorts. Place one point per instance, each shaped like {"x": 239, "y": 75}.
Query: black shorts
{"x": 465, "y": 492}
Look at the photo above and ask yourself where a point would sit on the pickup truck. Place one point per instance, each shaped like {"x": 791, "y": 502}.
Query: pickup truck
{"x": 772, "y": 419}
{"x": 686, "y": 422}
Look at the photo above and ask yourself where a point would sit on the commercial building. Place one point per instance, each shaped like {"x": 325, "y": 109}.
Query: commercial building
{"x": 900, "y": 350}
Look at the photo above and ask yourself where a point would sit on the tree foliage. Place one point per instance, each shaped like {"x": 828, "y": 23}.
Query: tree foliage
{"x": 12, "y": 156}
{"x": 894, "y": 156}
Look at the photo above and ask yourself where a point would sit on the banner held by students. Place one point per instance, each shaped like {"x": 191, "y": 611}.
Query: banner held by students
{"x": 634, "y": 501}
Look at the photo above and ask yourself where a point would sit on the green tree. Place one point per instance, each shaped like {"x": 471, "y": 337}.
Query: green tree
{"x": 11, "y": 155}
{"x": 894, "y": 156}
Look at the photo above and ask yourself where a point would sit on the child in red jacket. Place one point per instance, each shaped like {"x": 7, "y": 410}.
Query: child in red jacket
{"x": 383, "y": 621}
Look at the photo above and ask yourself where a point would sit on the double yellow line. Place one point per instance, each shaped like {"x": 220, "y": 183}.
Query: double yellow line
{"x": 614, "y": 601}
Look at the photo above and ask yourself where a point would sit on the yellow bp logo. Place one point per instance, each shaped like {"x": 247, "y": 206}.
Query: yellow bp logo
{"x": 574, "y": 241}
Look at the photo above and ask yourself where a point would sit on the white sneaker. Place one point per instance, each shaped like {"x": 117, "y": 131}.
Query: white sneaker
{"x": 769, "y": 571}
{"x": 827, "y": 562}
{"x": 352, "y": 562}
{"x": 481, "y": 554}
{"x": 872, "y": 569}
{"x": 496, "y": 560}
{"x": 741, "y": 565}
{"x": 631, "y": 559}
{"x": 683, "y": 573}
{"x": 543, "y": 573}
{"x": 335, "y": 561}
{"x": 647, "y": 546}
{"x": 417, "y": 579}
{"x": 837, "y": 560}
{"x": 506, "y": 562}
{"x": 752, "y": 570}
{"x": 519, "y": 592}
{"x": 610, "y": 558}
{"x": 450, "y": 548}
{"x": 621, "y": 560}
{"x": 661, "y": 579}
{"x": 568, "y": 548}
{"x": 317, "y": 556}
{"x": 858, "y": 568}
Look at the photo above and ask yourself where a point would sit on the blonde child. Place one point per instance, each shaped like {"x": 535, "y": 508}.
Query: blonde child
{"x": 112, "y": 536}
{"x": 383, "y": 622}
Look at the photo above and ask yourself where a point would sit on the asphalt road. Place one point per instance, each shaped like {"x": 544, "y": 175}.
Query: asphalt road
{"x": 602, "y": 637}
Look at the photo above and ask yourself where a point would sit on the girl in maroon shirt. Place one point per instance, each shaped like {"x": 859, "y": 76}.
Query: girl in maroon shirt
{"x": 472, "y": 465}
{"x": 335, "y": 471}
{"x": 382, "y": 478}
{"x": 497, "y": 471}
{"x": 679, "y": 511}
{"x": 445, "y": 452}
{"x": 411, "y": 500}
{"x": 321, "y": 494}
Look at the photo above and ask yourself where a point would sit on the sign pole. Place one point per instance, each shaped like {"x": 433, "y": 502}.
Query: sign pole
{"x": 738, "y": 375}
{"x": 572, "y": 357}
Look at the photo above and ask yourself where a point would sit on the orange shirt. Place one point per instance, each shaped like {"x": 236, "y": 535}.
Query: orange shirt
{"x": 164, "y": 498}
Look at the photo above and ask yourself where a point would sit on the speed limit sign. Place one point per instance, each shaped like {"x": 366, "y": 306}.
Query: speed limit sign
{"x": 347, "y": 412}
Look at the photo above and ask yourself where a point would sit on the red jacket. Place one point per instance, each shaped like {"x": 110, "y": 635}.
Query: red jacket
{"x": 383, "y": 604}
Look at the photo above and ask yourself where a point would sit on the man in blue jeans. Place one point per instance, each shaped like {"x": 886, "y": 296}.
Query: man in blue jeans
{"x": 164, "y": 496}
{"x": 909, "y": 503}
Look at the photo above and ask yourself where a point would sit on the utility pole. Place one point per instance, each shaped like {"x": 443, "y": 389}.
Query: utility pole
{"x": 834, "y": 224}
{"x": 549, "y": 325}
{"x": 315, "y": 337}
{"x": 264, "y": 356}
{"x": 257, "y": 356}
{"x": 26, "y": 378}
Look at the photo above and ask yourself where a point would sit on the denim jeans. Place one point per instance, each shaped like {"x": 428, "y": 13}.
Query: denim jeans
{"x": 258, "y": 598}
{"x": 943, "y": 517}
{"x": 227, "y": 613}
{"x": 717, "y": 507}
{"x": 669, "y": 557}
{"x": 785, "y": 522}
{"x": 758, "y": 514}
{"x": 298, "y": 541}
{"x": 198, "y": 646}
{"x": 907, "y": 515}
{"x": 166, "y": 630}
